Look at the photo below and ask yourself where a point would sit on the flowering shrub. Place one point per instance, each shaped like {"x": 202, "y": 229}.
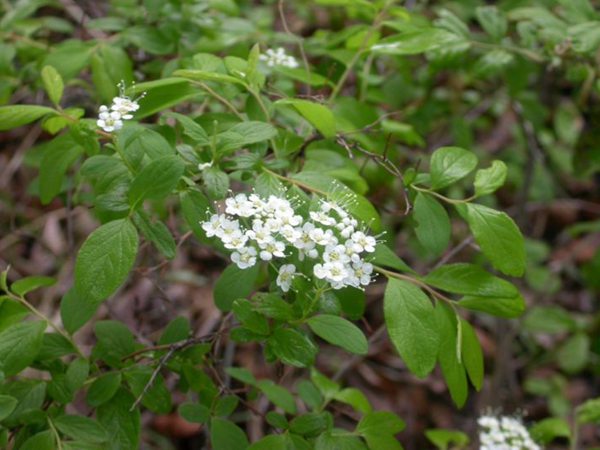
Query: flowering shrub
{"x": 328, "y": 196}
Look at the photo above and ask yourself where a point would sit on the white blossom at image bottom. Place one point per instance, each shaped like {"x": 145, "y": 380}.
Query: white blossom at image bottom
{"x": 504, "y": 433}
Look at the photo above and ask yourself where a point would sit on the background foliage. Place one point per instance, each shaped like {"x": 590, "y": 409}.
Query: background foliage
{"x": 460, "y": 127}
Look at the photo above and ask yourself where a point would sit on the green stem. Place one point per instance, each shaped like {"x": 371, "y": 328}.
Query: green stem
{"x": 56, "y": 435}
{"x": 415, "y": 281}
{"x": 442, "y": 197}
{"x": 296, "y": 182}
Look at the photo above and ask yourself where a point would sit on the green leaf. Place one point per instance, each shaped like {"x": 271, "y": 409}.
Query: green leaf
{"x": 469, "y": 279}
{"x": 157, "y": 233}
{"x": 110, "y": 65}
{"x": 449, "y": 353}
{"x": 384, "y": 256}
{"x": 11, "y": 312}
{"x": 278, "y": 395}
{"x": 243, "y": 134}
{"x": 163, "y": 94}
{"x": 411, "y": 325}
{"x": 573, "y": 355}
{"x": 492, "y": 20}
{"x": 226, "y": 405}
{"x": 26, "y": 285}
{"x": 433, "y": 224}
{"x": 415, "y": 42}
{"x": 216, "y": 182}
{"x": 53, "y": 84}
{"x": 81, "y": 428}
{"x": 55, "y": 346}
{"x": 137, "y": 141}
{"x": 123, "y": 424}
{"x": 442, "y": 439}
{"x": 501, "y": 307}
{"x": 490, "y": 179}
{"x": 14, "y": 116}
{"x": 7, "y": 406}
{"x": 589, "y": 412}
{"x": 40, "y": 441}
{"x": 319, "y": 116}
{"x": 499, "y": 238}
{"x": 310, "y": 78}
{"x": 273, "y": 306}
{"x": 191, "y": 128}
{"x": 450, "y": 164}
{"x": 241, "y": 374}
{"x": 19, "y": 345}
{"x": 157, "y": 397}
{"x": 103, "y": 389}
{"x": 293, "y": 347}
{"x": 547, "y": 430}
{"x": 272, "y": 442}
{"x": 339, "y": 331}
{"x": 177, "y": 330}
{"x": 75, "y": 311}
{"x": 472, "y": 355}
{"x": 355, "y": 398}
{"x": 156, "y": 180}
{"x": 195, "y": 209}
{"x": 194, "y": 412}
{"x": 378, "y": 428}
{"x": 249, "y": 318}
{"x": 60, "y": 154}
{"x": 105, "y": 259}
{"x": 310, "y": 424}
{"x": 203, "y": 75}
{"x": 115, "y": 341}
{"x": 225, "y": 435}
{"x": 338, "y": 440}
{"x": 234, "y": 283}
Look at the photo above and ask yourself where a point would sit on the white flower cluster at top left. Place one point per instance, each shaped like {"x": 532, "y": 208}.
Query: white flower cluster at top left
{"x": 270, "y": 229}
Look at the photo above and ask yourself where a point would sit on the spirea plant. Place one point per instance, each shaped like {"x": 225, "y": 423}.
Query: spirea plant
{"x": 289, "y": 167}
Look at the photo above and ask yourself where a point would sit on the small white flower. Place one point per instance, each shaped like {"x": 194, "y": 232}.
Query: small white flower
{"x": 244, "y": 257}
{"x": 285, "y": 277}
{"x": 125, "y": 106}
{"x": 260, "y": 233}
{"x": 213, "y": 226}
{"x": 290, "y": 233}
{"x": 363, "y": 242}
{"x": 109, "y": 120}
{"x": 236, "y": 240}
{"x": 228, "y": 230}
{"x": 335, "y": 253}
{"x": 203, "y": 166}
{"x": 272, "y": 249}
{"x": 322, "y": 237}
{"x": 278, "y": 58}
{"x": 322, "y": 218}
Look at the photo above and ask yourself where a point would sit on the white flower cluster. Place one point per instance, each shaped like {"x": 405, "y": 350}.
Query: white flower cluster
{"x": 267, "y": 229}
{"x": 278, "y": 58}
{"x": 111, "y": 119}
{"x": 504, "y": 433}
